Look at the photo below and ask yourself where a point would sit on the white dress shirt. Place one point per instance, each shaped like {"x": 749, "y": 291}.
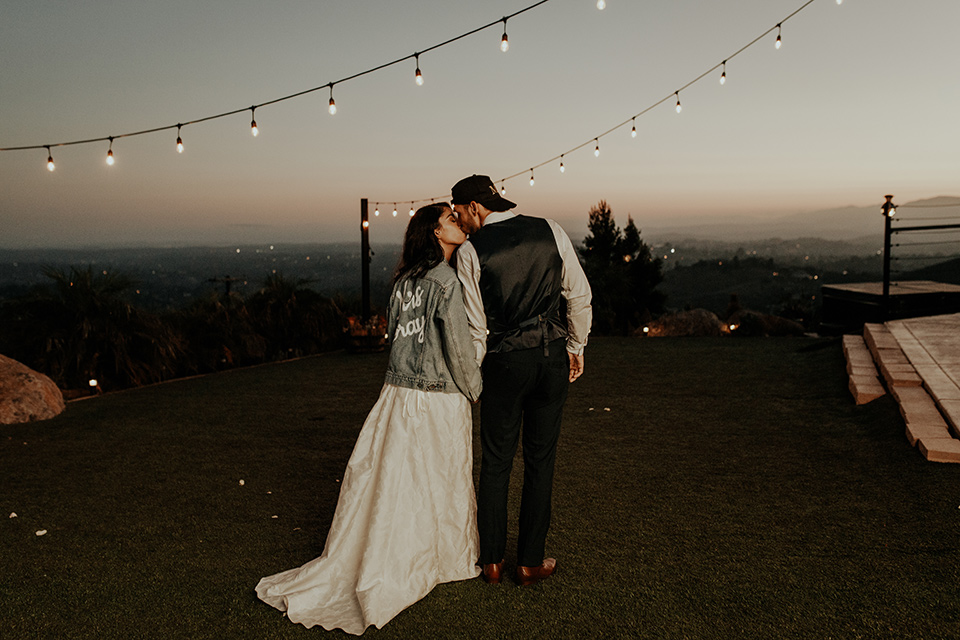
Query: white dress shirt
{"x": 574, "y": 287}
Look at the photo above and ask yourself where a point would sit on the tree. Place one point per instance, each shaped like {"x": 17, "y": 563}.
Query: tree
{"x": 622, "y": 272}
{"x": 82, "y": 326}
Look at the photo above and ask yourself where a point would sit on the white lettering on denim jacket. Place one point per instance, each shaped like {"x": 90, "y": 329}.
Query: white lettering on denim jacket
{"x": 407, "y": 301}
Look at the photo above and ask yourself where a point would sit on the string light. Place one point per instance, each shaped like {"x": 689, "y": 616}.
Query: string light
{"x": 778, "y": 42}
{"x": 394, "y": 209}
{"x": 633, "y": 131}
{"x": 253, "y": 122}
{"x": 50, "y": 165}
{"x": 596, "y": 151}
{"x": 676, "y": 94}
{"x": 504, "y": 43}
{"x": 366, "y": 224}
{"x": 333, "y": 105}
{"x": 376, "y": 211}
{"x": 179, "y": 140}
{"x": 110, "y": 153}
{"x": 419, "y": 76}
{"x": 531, "y": 177}
{"x": 411, "y": 209}
{"x": 601, "y": 5}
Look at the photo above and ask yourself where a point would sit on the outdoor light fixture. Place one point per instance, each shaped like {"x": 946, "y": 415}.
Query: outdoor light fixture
{"x": 723, "y": 73}
{"x": 179, "y": 140}
{"x": 503, "y": 188}
{"x": 531, "y": 177}
{"x": 50, "y": 165}
{"x": 562, "y": 169}
{"x": 333, "y": 105}
{"x": 376, "y": 211}
{"x": 366, "y": 223}
{"x": 601, "y": 5}
{"x": 679, "y": 108}
{"x": 110, "y": 153}
{"x": 504, "y": 43}
{"x": 394, "y": 209}
{"x": 253, "y": 122}
{"x": 633, "y": 131}
{"x": 889, "y": 209}
{"x": 419, "y": 76}
{"x": 779, "y": 41}
{"x": 411, "y": 209}
{"x": 596, "y": 151}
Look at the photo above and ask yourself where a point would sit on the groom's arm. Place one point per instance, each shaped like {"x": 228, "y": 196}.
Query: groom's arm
{"x": 468, "y": 269}
{"x": 576, "y": 289}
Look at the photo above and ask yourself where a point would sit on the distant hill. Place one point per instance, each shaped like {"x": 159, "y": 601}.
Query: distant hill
{"x": 948, "y": 272}
{"x": 854, "y": 224}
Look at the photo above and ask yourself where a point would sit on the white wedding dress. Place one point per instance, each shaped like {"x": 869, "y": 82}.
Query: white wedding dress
{"x": 405, "y": 520}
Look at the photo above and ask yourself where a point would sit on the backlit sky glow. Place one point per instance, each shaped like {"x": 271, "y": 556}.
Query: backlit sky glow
{"x": 861, "y": 100}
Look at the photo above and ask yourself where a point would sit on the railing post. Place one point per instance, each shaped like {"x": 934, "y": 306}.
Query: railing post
{"x": 364, "y": 261}
{"x": 889, "y": 210}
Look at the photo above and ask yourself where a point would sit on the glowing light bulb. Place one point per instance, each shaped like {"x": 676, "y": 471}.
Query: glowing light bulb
{"x": 253, "y": 122}
{"x": 376, "y": 211}
{"x": 679, "y": 108}
{"x": 411, "y": 211}
{"x": 723, "y": 73}
{"x": 179, "y": 140}
{"x": 333, "y": 106}
{"x": 504, "y": 43}
{"x": 110, "y": 153}
{"x": 562, "y": 168}
{"x": 531, "y": 177}
{"x": 839, "y": 1}
{"x": 419, "y": 77}
{"x": 366, "y": 224}
{"x": 394, "y": 209}
{"x": 601, "y": 5}
{"x": 633, "y": 131}
{"x": 503, "y": 189}
{"x": 779, "y": 41}
{"x": 50, "y": 165}
{"x": 596, "y": 151}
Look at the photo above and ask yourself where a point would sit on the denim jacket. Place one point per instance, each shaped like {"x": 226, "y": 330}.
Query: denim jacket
{"x": 431, "y": 347}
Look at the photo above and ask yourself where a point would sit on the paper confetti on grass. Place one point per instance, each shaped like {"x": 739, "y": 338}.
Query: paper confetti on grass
{"x": 42, "y": 532}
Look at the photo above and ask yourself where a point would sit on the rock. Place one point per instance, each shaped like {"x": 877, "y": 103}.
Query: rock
{"x": 695, "y": 322}
{"x": 26, "y": 395}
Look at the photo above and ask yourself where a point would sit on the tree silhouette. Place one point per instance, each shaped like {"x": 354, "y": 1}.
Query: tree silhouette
{"x": 82, "y": 326}
{"x": 622, "y": 272}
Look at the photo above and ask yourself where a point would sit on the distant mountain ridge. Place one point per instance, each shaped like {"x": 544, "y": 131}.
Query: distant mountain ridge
{"x": 856, "y": 224}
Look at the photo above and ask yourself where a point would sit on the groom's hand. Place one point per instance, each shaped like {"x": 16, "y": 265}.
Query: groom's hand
{"x": 576, "y": 365}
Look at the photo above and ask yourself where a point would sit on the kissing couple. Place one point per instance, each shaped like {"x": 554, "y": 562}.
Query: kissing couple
{"x": 467, "y": 314}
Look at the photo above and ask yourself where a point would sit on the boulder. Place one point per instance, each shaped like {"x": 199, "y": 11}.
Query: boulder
{"x": 26, "y": 395}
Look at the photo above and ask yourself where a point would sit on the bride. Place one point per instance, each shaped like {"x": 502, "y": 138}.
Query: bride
{"x": 406, "y": 517}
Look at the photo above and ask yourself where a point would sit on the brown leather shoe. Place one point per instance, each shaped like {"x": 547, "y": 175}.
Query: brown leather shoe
{"x": 528, "y": 576}
{"x": 492, "y": 573}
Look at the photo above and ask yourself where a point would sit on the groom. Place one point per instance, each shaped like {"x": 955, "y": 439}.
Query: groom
{"x": 516, "y": 272}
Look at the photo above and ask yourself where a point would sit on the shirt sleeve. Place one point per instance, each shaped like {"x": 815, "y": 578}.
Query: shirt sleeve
{"x": 576, "y": 289}
{"x": 468, "y": 270}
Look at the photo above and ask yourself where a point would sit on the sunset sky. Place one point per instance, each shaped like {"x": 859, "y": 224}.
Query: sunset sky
{"x": 861, "y": 100}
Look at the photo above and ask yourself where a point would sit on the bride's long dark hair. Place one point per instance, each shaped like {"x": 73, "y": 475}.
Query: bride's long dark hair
{"x": 421, "y": 247}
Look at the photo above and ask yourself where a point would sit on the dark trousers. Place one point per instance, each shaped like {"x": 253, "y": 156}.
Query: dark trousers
{"x": 519, "y": 388}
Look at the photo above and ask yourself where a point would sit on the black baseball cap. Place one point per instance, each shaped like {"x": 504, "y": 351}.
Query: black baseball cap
{"x": 480, "y": 189}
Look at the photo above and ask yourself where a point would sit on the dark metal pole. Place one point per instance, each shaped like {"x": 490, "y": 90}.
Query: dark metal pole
{"x": 889, "y": 209}
{"x": 364, "y": 261}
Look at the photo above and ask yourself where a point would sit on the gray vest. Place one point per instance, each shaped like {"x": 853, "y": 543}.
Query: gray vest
{"x": 520, "y": 283}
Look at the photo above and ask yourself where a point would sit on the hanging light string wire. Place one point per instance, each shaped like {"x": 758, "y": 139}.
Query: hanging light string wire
{"x": 653, "y": 106}
{"x": 420, "y": 52}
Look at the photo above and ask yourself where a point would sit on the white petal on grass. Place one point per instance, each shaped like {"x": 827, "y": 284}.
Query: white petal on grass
{"x": 274, "y": 517}
{"x": 42, "y": 532}
{"x": 606, "y": 408}
{"x": 241, "y": 482}
{"x": 13, "y": 515}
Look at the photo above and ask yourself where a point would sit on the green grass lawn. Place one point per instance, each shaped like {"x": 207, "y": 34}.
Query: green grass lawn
{"x": 706, "y": 488}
